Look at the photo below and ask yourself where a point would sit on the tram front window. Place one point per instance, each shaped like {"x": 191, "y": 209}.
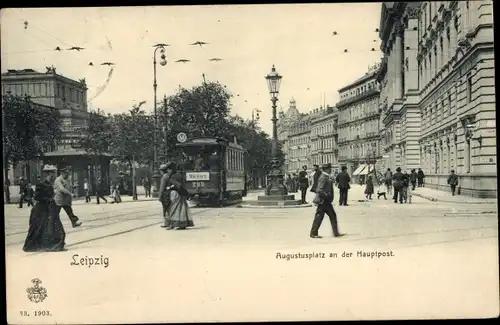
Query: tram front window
{"x": 204, "y": 158}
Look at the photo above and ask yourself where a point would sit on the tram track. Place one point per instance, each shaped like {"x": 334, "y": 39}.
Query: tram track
{"x": 81, "y": 230}
{"x": 91, "y": 220}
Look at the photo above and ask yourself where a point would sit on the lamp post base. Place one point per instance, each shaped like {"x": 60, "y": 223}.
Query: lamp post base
{"x": 156, "y": 184}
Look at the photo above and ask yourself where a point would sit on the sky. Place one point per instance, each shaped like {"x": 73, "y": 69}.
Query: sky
{"x": 297, "y": 38}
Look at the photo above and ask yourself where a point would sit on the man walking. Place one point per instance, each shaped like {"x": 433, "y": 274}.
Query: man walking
{"x": 86, "y": 189}
{"x": 324, "y": 199}
{"x": 63, "y": 196}
{"x": 147, "y": 186}
{"x": 413, "y": 179}
{"x": 398, "y": 179}
{"x": 343, "y": 181}
{"x": 316, "y": 173}
{"x": 303, "y": 184}
{"x": 100, "y": 190}
{"x": 453, "y": 181}
{"x": 420, "y": 177}
{"x": 388, "y": 180}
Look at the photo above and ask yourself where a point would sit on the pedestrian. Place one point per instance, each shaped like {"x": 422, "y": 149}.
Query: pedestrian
{"x": 295, "y": 183}
{"x": 147, "y": 186}
{"x": 316, "y": 174}
{"x": 164, "y": 193}
{"x": 30, "y": 193}
{"x": 369, "y": 187}
{"x": 397, "y": 184}
{"x": 100, "y": 190}
{"x": 420, "y": 177}
{"x": 343, "y": 183}
{"x": 63, "y": 196}
{"x": 289, "y": 182}
{"x": 453, "y": 181}
{"x": 23, "y": 191}
{"x": 86, "y": 189}
{"x": 6, "y": 187}
{"x": 303, "y": 184}
{"x": 115, "y": 194}
{"x": 406, "y": 186}
{"x": 46, "y": 232}
{"x": 323, "y": 199}
{"x": 413, "y": 179}
{"x": 388, "y": 181}
{"x": 179, "y": 213}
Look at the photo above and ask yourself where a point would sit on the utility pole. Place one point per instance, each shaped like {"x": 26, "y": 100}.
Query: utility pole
{"x": 165, "y": 153}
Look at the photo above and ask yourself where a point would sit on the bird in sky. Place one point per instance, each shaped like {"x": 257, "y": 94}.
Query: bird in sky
{"x": 199, "y": 43}
{"x": 215, "y": 59}
{"x": 140, "y": 104}
{"x": 334, "y": 33}
{"x": 107, "y": 63}
{"x": 57, "y": 49}
{"x": 161, "y": 44}
{"x": 183, "y": 60}
{"x": 345, "y": 51}
{"x": 308, "y": 89}
{"x": 76, "y": 48}
{"x": 91, "y": 64}
{"x": 25, "y": 25}
{"x": 376, "y": 30}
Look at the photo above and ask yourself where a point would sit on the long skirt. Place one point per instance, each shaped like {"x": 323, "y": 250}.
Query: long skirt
{"x": 46, "y": 232}
{"x": 178, "y": 212}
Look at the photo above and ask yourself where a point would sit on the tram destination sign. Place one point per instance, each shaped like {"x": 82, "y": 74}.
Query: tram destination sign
{"x": 200, "y": 176}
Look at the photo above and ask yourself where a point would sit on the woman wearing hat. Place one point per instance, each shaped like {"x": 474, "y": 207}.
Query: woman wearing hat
{"x": 164, "y": 194}
{"x": 178, "y": 209}
{"x": 46, "y": 232}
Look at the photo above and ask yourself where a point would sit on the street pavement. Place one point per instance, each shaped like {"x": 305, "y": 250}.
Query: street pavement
{"x": 438, "y": 260}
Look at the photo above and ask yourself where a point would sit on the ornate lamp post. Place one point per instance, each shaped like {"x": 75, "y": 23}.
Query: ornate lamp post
{"x": 156, "y": 173}
{"x": 275, "y": 177}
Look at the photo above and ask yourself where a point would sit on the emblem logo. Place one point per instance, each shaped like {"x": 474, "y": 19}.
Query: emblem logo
{"x": 181, "y": 137}
{"x": 36, "y": 293}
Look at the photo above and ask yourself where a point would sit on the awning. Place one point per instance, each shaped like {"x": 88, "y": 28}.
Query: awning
{"x": 359, "y": 170}
{"x": 368, "y": 168}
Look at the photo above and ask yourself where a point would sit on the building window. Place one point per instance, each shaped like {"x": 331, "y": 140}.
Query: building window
{"x": 469, "y": 88}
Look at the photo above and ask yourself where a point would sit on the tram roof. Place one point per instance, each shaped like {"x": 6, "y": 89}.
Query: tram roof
{"x": 209, "y": 141}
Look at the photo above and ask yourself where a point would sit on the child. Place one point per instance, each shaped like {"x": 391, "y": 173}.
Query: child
{"x": 30, "y": 194}
{"x": 382, "y": 189}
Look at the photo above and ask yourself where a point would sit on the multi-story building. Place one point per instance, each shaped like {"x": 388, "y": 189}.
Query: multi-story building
{"x": 284, "y": 124}
{"x": 299, "y": 144}
{"x": 358, "y": 124}
{"x": 69, "y": 97}
{"x": 324, "y": 136}
{"x": 439, "y": 98}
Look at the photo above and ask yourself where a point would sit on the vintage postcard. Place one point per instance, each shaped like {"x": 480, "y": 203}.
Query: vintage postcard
{"x": 235, "y": 163}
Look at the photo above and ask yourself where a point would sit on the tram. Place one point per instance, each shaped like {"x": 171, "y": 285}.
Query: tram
{"x": 213, "y": 170}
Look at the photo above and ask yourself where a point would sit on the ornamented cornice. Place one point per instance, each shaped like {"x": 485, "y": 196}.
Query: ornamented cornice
{"x": 413, "y": 13}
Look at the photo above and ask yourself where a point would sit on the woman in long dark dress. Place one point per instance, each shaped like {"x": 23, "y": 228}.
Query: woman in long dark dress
{"x": 178, "y": 211}
{"x": 369, "y": 188}
{"x": 46, "y": 232}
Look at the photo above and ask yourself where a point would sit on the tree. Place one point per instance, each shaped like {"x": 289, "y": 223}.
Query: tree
{"x": 96, "y": 138}
{"x": 132, "y": 137}
{"x": 200, "y": 111}
{"x": 28, "y": 129}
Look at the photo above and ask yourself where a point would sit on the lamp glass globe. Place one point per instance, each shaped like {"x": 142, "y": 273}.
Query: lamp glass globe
{"x": 163, "y": 62}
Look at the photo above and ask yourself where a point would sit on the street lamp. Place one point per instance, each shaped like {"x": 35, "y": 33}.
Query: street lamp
{"x": 276, "y": 186}
{"x": 156, "y": 173}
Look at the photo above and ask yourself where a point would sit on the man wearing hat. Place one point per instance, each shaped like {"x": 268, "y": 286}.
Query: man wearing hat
{"x": 343, "y": 181}
{"x": 324, "y": 199}
{"x": 397, "y": 184}
{"x": 63, "y": 196}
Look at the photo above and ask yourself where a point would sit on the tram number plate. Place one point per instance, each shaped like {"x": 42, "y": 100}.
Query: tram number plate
{"x": 198, "y": 184}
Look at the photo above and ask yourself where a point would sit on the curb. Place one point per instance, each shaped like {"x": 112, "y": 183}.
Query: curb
{"x": 433, "y": 199}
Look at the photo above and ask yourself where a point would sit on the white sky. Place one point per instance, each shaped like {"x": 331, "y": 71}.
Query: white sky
{"x": 249, "y": 38}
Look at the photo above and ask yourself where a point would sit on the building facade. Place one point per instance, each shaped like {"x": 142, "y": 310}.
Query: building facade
{"x": 308, "y": 139}
{"x": 324, "y": 137}
{"x": 69, "y": 97}
{"x": 358, "y": 123}
{"x": 438, "y": 91}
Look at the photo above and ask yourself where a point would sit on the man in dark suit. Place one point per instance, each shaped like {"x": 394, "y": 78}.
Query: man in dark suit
{"x": 343, "y": 179}
{"x": 303, "y": 184}
{"x": 324, "y": 199}
{"x": 317, "y": 173}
